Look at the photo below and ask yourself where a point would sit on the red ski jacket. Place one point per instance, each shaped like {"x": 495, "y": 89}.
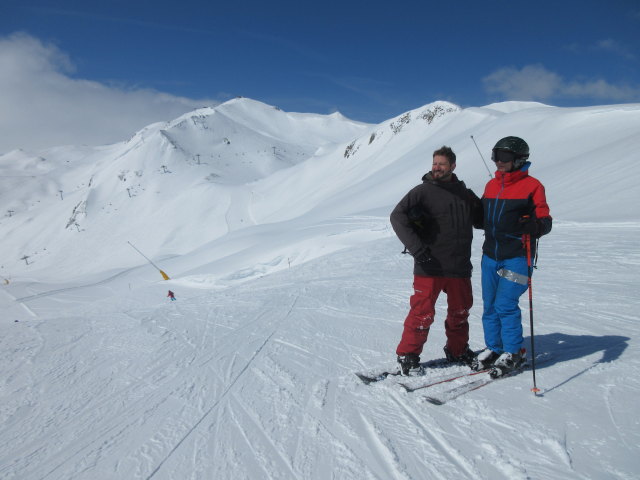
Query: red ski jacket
{"x": 506, "y": 199}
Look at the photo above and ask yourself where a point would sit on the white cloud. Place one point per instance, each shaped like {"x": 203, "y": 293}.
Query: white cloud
{"x": 534, "y": 82}
{"x": 611, "y": 46}
{"x": 602, "y": 89}
{"x": 41, "y": 105}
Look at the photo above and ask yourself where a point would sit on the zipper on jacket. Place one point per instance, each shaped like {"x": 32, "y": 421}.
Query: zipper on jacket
{"x": 495, "y": 223}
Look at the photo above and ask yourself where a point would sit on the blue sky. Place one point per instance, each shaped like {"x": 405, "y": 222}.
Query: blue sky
{"x": 370, "y": 60}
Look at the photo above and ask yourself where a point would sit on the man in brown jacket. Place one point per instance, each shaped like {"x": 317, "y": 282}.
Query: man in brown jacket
{"x": 435, "y": 223}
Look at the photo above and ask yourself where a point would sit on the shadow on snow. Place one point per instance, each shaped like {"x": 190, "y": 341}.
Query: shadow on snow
{"x": 563, "y": 348}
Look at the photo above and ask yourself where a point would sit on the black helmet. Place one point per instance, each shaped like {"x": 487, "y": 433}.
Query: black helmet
{"x": 515, "y": 145}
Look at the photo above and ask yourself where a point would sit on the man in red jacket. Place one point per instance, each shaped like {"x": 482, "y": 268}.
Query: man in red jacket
{"x": 435, "y": 223}
{"x": 515, "y": 209}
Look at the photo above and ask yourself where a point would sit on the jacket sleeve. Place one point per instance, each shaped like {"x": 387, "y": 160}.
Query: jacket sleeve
{"x": 477, "y": 212}
{"x": 542, "y": 213}
{"x": 404, "y": 228}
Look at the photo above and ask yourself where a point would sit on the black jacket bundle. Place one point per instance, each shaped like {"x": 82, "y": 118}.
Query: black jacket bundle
{"x": 435, "y": 223}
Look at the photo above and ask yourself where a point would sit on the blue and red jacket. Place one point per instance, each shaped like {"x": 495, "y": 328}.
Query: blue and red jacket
{"x": 507, "y": 198}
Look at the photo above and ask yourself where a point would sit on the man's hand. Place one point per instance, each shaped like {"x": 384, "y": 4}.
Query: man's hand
{"x": 423, "y": 256}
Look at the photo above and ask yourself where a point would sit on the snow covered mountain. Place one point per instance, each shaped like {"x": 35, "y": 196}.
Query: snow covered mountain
{"x": 174, "y": 187}
{"x": 183, "y": 180}
{"x": 273, "y": 227}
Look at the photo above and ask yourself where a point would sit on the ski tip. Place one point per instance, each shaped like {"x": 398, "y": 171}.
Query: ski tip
{"x": 365, "y": 379}
{"x": 369, "y": 379}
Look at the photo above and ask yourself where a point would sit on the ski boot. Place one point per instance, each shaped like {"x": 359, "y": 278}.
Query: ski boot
{"x": 466, "y": 357}
{"x": 410, "y": 365}
{"x": 485, "y": 359}
{"x": 507, "y": 363}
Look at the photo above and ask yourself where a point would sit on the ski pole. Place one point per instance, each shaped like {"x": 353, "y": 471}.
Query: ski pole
{"x": 483, "y": 161}
{"x": 527, "y": 240}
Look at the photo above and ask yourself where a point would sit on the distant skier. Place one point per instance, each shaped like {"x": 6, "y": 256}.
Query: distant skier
{"x": 171, "y": 295}
{"x": 435, "y": 222}
{"x": 515, "y": 206}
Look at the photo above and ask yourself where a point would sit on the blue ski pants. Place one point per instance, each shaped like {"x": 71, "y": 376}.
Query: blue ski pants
{"x": 503, "y": 282}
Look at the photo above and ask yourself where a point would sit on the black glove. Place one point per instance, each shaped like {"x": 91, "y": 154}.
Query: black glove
{"x": 423, "y": 256}
{"x": 529, "y": 226}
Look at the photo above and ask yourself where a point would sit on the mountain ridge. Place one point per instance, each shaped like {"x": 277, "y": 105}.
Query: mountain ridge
{"x": 176, "y": 187}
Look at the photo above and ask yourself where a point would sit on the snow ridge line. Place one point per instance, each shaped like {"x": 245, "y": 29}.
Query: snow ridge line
{"x": 277, "y": 452}
{"x": 439, "y": 442}
{"x": 77, "y": 287}
{"x": 387, "y": 456}
{"x": 224, "y": 394}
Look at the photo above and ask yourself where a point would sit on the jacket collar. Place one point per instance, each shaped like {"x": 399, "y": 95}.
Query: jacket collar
{"x": 514, "y": 176}
{"x": 428, "y": 177}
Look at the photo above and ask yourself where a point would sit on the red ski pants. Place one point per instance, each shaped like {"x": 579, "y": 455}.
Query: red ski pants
{"x": 422, "y": 313}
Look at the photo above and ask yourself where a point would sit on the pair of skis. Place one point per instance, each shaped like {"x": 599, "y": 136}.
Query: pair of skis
{"x": 440, "y": 398}
{"x": 454, "y": 392}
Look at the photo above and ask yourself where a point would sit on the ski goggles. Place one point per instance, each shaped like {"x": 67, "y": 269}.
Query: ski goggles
{"x": 503, "y": 156}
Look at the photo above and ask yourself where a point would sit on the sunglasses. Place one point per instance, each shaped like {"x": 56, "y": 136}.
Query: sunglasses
{"x": 502, "y": 156}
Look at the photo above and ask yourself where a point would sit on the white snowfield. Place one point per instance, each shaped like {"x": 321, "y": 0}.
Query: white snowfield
{"x": 274, "y": 230}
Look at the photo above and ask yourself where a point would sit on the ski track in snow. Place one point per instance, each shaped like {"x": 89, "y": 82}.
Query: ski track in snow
{"x": 222, "y": 396}
{"x": 256, "y": 380}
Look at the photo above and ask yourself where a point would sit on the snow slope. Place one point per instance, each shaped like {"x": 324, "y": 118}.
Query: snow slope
{"x": 288, "y": 279}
